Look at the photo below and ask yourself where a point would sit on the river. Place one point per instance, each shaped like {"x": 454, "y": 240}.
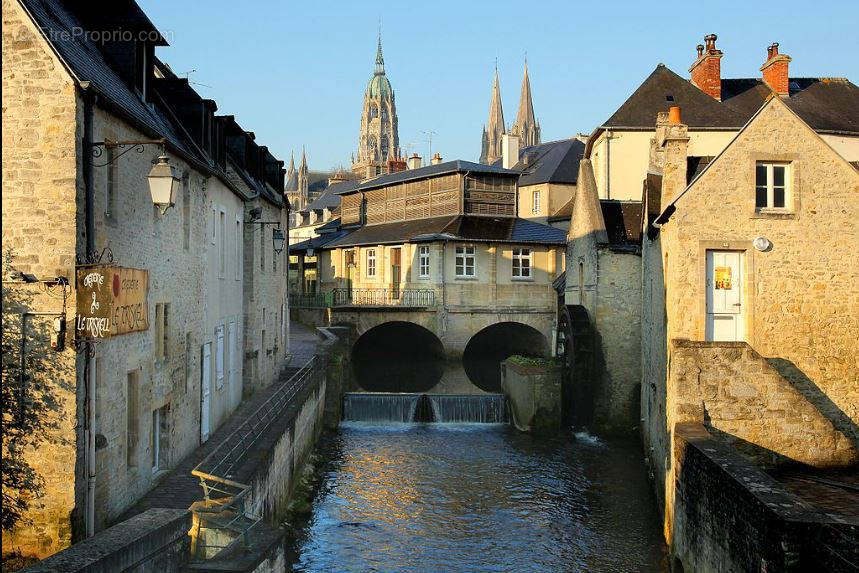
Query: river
{"x": 478, "y": 497}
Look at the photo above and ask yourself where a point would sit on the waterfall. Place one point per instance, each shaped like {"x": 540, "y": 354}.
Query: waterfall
{"x": 439, "y": 408}
{"x": 379, "y": 407}
{"x": 463, "y": 408}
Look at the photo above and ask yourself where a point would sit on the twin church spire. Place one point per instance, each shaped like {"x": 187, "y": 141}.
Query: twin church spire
{"x": 526, "y": 126}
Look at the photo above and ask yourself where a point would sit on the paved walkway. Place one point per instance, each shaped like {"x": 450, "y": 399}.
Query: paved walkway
{"x": 178, "y": 489}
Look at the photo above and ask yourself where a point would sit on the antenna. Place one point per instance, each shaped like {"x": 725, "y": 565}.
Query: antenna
{"x": 430, "y": 133}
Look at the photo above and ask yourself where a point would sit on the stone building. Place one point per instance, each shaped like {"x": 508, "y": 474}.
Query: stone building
{"x": 161, "y": 363}
{"x": 441, "y": 248}
{"x": 547, "y": 184}
{"x": 378, "y": 140}
{"x": 714, "y": 109}
{"x": 749, "y": 302}
{"x": 526, "y": 128}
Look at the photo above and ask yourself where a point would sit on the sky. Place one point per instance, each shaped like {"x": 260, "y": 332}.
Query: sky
{"x": 294, "y": 73}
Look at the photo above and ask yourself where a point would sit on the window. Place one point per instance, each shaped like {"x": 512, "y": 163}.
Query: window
{"x": 535, "y": 203}
{"x": 188, "y": 359}
{"x": 162, "y": 310}
{"x": 232, "y": 340}
{"x": 214, "y": 225}
{"x": 238, "y": 250}
{"x": 261, "y": 248}
{"x": 521, "y": 263}
{"x": 424, "y": 262}
{"x": 159, "y": 436}
{"x": 186, "y": 212}
{"x": 371, "y": 262}
{"x": 112, "y": 180}
{"x": 222, "y": 246}
{"x": 131, "y": 421}
{"x": 465, "y": 261}
{"x": 219, "y": 356}
{"x": 771, "y": 188}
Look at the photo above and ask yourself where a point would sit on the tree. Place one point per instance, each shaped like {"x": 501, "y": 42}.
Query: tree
{"x": 32, "y": 383}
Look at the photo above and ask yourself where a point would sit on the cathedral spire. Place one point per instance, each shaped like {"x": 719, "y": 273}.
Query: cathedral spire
{"x": 291, "y": 163}
{"x": 495, "y": 128}
{"x": 380, "y": 61}
{"x": 526, "y": 126}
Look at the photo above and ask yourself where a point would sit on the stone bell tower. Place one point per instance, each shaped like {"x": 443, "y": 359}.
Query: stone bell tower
{"x": 378, "y": 140}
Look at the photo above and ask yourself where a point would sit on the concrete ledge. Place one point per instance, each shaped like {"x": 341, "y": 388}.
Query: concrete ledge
{"x": 155, "y": 540}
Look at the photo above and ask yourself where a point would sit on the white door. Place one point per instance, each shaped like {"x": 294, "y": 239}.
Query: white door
{"x": 205, "y": 391}
{"x": 725, "y": 296}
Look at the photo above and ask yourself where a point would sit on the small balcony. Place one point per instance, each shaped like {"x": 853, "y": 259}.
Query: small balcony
{"x": 386, "y": 298}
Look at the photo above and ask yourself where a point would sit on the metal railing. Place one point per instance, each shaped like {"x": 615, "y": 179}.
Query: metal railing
{"x": 228, "y": 500}
{"x": 313, "y": 300}
{"x": 383, "y": 297}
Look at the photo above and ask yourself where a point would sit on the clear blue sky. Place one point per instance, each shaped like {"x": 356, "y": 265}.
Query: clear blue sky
{"x": 295, "y": 72}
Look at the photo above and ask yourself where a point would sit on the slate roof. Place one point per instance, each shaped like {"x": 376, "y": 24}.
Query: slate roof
{"x": 462, "y": 228}
{"x": 87, "y": 63}
{"x": 828, "y": 105}
{"x": 552, "y": 162}
{"x": 457, "y": 166}
{"x": 622, "y": 222}
{"x": 317, "y": 242}
{"x": 330, "y": 198}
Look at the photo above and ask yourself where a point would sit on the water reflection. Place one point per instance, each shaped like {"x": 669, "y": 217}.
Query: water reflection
{"x": 479, "y": 498}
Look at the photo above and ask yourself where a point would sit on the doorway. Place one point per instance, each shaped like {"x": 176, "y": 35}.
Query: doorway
{"x": 396, "y": 253}
{"x": 205, "y": 391}
{"x": 725, "y": 313}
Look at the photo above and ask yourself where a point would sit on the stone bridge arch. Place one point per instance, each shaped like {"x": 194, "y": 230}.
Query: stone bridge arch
{"x": 397, "y": 356}
{"x": 491, "y": 345}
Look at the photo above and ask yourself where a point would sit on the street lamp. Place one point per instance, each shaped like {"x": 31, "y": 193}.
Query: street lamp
{"x": 278, "y": 240}
{"x": 164, "y": 184}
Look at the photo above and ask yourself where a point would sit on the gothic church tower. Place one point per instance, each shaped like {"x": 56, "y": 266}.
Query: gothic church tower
{"x": 378, "y": 140}
{"x": 491, "y": 147}
{"x": 526, "y": 127}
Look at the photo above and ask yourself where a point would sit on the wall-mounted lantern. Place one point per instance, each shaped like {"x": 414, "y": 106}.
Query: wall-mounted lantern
{"x": 164, "y": 180}
{"x": 278, "y": 240}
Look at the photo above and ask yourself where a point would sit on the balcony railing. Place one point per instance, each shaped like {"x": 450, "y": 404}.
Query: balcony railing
{"x": 383, "y": 297}
{"x": 421, "y": 298}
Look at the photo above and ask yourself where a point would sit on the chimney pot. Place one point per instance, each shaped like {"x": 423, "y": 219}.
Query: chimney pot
{"x": 674, "y": 116}
{"x": 706, "y": 72}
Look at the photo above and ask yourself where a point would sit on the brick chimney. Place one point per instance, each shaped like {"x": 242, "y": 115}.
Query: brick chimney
{"x": 707, "y": 69}
{"x": 775, "y": 71}
{"x": 396, "y": 164}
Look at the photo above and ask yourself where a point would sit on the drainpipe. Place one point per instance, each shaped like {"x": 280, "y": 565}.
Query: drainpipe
{"x": 89, "y": 100}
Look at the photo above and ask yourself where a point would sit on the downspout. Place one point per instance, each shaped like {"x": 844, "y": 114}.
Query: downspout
{"x": 89, "y": 100}
{"x": 608, "y": 135}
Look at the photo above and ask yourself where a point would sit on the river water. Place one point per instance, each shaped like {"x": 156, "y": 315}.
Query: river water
{"x": 478, "y": 497}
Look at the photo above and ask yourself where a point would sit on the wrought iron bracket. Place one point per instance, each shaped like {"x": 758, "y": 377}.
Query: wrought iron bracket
{"x": 138, "y": 145}
{"x": 104, "y": 257}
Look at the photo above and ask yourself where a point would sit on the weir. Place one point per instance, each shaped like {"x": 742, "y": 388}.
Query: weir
{"x": 383, "y": 407}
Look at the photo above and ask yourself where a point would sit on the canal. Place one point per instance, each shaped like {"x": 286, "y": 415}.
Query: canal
{"x": 478, "y": 497}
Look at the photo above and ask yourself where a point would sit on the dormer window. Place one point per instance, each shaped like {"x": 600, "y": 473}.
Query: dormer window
{"x": 772, "y": 188}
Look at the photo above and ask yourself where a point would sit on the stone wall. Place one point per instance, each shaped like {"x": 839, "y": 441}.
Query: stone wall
{"x": 739, "y": 395}
{"x": 534, "y": 394}
{"x": 155, "y": 541}
{"x": 40, "y": 227}
{"x": 730, "y": 516}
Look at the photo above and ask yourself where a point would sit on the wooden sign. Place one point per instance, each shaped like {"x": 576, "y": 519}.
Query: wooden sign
{"x": 111, "y": 301}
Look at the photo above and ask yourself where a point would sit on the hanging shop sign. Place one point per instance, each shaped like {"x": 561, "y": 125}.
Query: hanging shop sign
{"x": 111, "y": 301}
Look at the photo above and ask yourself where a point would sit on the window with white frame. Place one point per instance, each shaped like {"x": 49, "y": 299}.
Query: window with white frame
{"x": 535, "y": 203}
{"x": 423, "y": 262}
{"x": 772, "y": 190}
{"x": 465, "y": 262}
{"x": 521, "y": 263}
{"x": 222, "y": 244}
{"x": 238, "y": 250}
{"x": 219, "y": 356}
{"x": 371, "y": 262}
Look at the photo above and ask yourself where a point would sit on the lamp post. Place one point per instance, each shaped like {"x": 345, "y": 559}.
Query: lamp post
{"x": 278, "y": 240}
